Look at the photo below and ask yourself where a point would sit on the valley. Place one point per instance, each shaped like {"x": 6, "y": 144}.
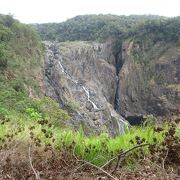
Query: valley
{"x": 94, "y": 97}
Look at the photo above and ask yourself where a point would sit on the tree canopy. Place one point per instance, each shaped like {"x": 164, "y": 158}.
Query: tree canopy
{"x": 95, "y": 27}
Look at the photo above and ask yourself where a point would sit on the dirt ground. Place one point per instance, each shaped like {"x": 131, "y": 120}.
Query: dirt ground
{"x": 18, "y": 164}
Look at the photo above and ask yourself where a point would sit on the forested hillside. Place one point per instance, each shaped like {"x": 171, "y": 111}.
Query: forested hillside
{"x": 167, "y": 30}
{"x": 101, "y": 27}
{"x": 21, "y": 70}
{"x": 92, "y": 27}
{"x": 20, "y": 64}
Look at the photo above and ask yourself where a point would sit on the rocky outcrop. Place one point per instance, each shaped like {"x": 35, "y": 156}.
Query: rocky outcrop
{"x": 83, "y": 74}
{"x": 150, "y": 84}
{"x": 104, "y": 86}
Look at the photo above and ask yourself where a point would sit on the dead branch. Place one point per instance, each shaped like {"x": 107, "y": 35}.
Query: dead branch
{"x": 118, "y": 156}
{"x": 122, "y": 154}
{"x": 99, "y": 168}
{"x": 164, "y": 159}
{"x": 89, "y": 163}
{"x": 30, "y": 160}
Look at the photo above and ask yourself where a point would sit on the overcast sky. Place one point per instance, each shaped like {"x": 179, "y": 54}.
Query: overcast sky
{"x": 41, "y": 11}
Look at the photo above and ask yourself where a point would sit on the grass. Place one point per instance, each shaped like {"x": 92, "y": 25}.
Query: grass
{"x": 94, "y": 148}
{"x": 68, "y": 46}
{"x": 57, "y": 149}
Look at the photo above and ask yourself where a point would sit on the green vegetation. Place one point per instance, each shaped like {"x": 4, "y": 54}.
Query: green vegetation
{"x": 153, "y": 38}
{"x": 102, "y": 27}
{"x": 96, "y": 149}
{"x": 92, "y": 27}
{"x": 158, "y": 30}
{"x": 27, "y": 117}
{"x": 14, "y": 45}
{"x": 54, "y": 144}
{"x": 21, "y": 59}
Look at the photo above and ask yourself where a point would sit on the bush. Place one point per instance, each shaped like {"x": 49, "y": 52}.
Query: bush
{"x": 3, "y": 57}
{"x": 51, "y": 111}
{"x": 3, "y": 63}
{"x": 72, "y": 106}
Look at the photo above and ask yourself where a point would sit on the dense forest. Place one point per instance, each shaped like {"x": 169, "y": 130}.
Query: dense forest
{"x": 91, "y": 27}
{"x": 102, "y": 27}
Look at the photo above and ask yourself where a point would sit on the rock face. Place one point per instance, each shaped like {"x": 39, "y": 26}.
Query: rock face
{"x": 152, "y": 85}
{"x": 83, "y": 74}
{"x": 104, "y": 87}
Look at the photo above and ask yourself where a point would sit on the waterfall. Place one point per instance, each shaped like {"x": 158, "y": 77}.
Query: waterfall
{"x": 55, "y": 54}
{"x": 87, "y": 94}
{"x": 64, "y": 72}
{"x": 55, "y": 61}
{"x": 61, "y": 66}
{"x": 119, "y": 64}
{"x": 119, "y": 123}
{"x": 120, "y": 126}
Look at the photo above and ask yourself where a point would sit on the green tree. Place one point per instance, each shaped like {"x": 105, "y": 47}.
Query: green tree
{"x": 3, "y": 57}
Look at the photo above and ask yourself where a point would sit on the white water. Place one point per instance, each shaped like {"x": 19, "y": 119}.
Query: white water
{"x": 76, "y": 82}
{"x": 52, "y": 57}
{"x": 61, "y": 66}
{"x": 64, "y": 72}
{"x": 87, "y": 94}
{"x": 120, "y": 126}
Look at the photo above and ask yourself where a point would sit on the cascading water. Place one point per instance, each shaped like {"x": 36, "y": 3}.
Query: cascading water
{"x": 54, "y": 63}
{"x": 61, "y": 66}
{"x": 119, "y": 64}
{"x": 56, "y": 55}
{"x": 87, "y": 94}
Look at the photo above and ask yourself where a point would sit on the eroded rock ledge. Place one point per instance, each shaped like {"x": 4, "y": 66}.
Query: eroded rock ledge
{"x": 104, "y": 86}
{"x": 83, "y": 74}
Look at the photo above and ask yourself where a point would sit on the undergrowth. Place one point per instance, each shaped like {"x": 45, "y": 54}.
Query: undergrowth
{"x": 97, "y": 149}
{"x": 53, "y": 147}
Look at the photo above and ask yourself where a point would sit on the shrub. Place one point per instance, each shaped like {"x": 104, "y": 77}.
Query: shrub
{"x": 72, "y": 106}
{"x": 52, "y": 111}
{"x": 3, "y": 57}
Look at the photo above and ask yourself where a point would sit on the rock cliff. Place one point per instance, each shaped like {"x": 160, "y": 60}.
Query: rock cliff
{"x": 81, "y": 77}
{"x": 104, "y": 87}
{"x": 149, "y": 84}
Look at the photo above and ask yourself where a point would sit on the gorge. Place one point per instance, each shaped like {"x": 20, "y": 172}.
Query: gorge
{"x": 67, "y": 82}
{"x": 107, "y": 87}
{"x": 130, "y": 70}
{"x": 67, "y": 98}
{"x": 101, "y": 69}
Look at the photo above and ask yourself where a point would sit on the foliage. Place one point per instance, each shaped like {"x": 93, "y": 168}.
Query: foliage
{"x": 91, "y": 27}
{"x": 34, "y": 115}
{"x": 72, "y": 106}
{"x": 3, "y": 56}
{"x": 20, "y": 63}
{"x": 55, "y": 145}
{"x": 101, "y": 27}
{"x": 96, "y": 149}
{"x": 166, "y": 30}
{"x": 51, "y": 111}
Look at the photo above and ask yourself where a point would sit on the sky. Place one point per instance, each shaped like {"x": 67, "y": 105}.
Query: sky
{"x": 44, "y": 11}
